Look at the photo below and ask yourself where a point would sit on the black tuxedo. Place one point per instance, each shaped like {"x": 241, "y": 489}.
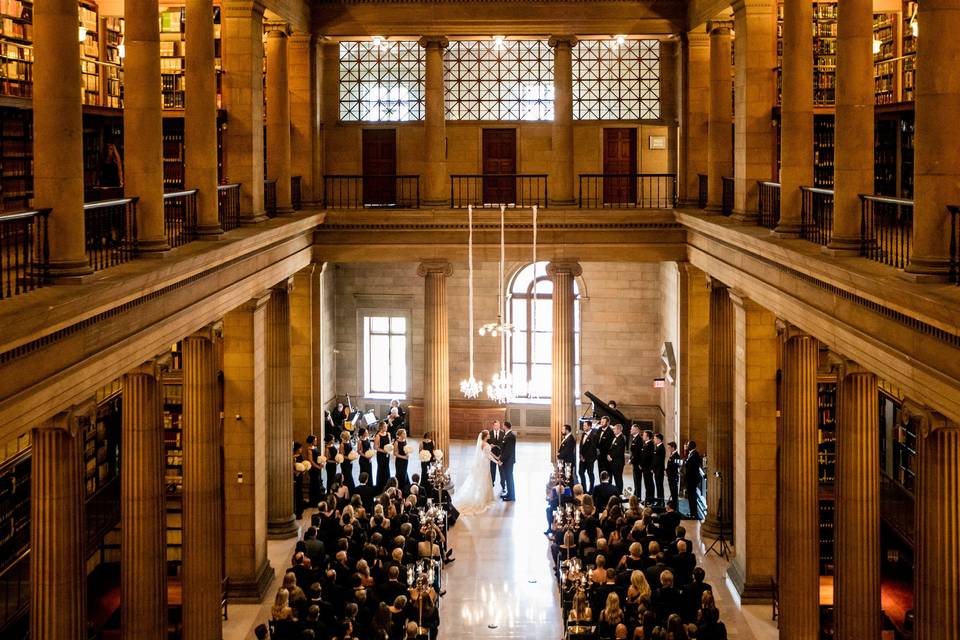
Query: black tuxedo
{"x": 508, "y": 456}
{"x": 646, "y": 463}
{"x": 618, "y": 447}
{"x": 636, "y": 455}
{"x": 673, "y": 475}
{"x": 588, "y": 455}
{"x": 604, "y": 438}
{"x": 601, "y": 494}
{"x": 568, "y": 450}
{"x": 692, "y": 470}
{"x": 659, "y": 462}
{"x": 496, "y": 440}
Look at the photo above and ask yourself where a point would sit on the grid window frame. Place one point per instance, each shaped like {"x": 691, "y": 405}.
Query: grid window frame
{"x": 394, "y": 359}
{"x": 382, "y": 81}
{"x": 616, "y": 79}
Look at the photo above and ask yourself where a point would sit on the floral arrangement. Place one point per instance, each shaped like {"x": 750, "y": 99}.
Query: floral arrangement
{"x": 438, "y": 455}
{"x": 369, "y": 453}
{"x": 424, "y": 455}
{"x": 388, "y": 448}
{"x": 409, "y": 449}
{"x": 338, "y": 458}
{"x": 353, "y": 455}
{"x": 300, "y": 467}
{"x": 322, "y": 460}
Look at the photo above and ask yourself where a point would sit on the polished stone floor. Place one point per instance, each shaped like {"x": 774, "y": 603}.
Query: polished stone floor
{"x": 501, "y": 585}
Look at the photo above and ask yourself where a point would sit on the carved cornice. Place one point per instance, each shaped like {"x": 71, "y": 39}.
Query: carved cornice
{"x": 277, "y": 29}
{"x": 789, "y": 331}
{"x": 720, "y": 27}
{"x": 257, "y": 303}
{"x": 926, "y": 420}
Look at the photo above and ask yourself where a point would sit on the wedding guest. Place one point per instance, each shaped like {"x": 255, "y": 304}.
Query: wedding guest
{"x": 659, "y": 465}
{"x": 610, "y": 617}
{"x": 346, "y": 467}
{"x": 580, "y": 612}
{"x": 603, "y": 490}
{"x": 667, "y": 600}
{"x": 604, "y": 438}
{"x": 587, "y": 454}
{"x": 281, "y": 615}
{"x": 673, "y": 471}
{"x": 709, "y": 626}
{"x": 402, "y": 459}
{"x": 380, "y": 441}
{"x": 692, "y": 473}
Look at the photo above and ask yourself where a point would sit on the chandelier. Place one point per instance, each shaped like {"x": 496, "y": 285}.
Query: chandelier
{"x": 500, "y": 389}
{"x": 471, "y": 387}
{"x": 531, "y": 392}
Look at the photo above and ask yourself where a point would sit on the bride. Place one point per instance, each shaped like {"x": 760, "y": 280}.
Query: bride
{"x": 475, "y": 492}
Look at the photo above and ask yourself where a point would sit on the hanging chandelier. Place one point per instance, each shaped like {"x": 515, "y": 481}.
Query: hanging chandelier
{"x": 531, "y": 392}
{"x": 471, "y": 387}
{"x": 499, "y": 328}
{"x": 500, "y": 389}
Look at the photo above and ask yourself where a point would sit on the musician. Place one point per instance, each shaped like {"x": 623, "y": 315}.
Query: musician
{"x": 659, "y": 466}
{"x": 646, "y": 464}
{"x": 636, "y": 458}
{"x": 567, "y": 453}
{"x": 604, "y": 438}
{"x": 394, "y": 421}
{"x": 588, "y": 454}
{"x": 692, "y": 472}
{"x": 618, "y": 446}
{"x": 336, "y": 419}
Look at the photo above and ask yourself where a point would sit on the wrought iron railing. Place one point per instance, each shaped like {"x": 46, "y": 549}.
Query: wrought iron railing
{"x": 816, "y": 215}
{"x": 111, "y": 232}
{"x": 726, "y": 204}
{"x": 768, "y": 203}
{"x": 703, "y": 183}
{"x": 270, "y": 198}
{"x": 954, "y": 243}
{"x": 628, "y": 190}
{"x": 357, "y": 192}
{"x": 886, "y": 230}
{"x": 494, "y": 189}
{"x": 24, "y": 251}
{"x": 296, "y": 193}
{"x": 228, "y": 206}
{"x": 180, "y": 217}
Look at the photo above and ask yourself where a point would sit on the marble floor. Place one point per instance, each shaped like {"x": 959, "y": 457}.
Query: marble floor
{"x": 501, "y": 584}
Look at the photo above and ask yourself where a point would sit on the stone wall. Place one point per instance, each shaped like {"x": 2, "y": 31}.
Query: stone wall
{"x": 670, "y": 330}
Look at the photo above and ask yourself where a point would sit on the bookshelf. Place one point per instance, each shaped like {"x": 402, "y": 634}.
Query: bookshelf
{"x": 16, "y": 158}
{"x": 885, "y": 160}
{"x": 101, "y": 440}
{"x": 909, "y": 24}
{"x": 823, "y": 143}
{"x": 173, "y": 158}
{"x": 172, "y": 51}
{"x": 886, "y": 49}
{"x": 90, "y": 54}
{"x": 111, "y": 71}
{"x": 824, "y": 52}
{"x": 826, "y": 430}
{"x": 826, "y": 536}
{"x": 14, "y": 508}
{"x": 904, "y": 452}
{"x": 906, "y": 154}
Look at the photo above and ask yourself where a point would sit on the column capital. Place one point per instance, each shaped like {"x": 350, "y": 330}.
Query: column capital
{"x": 257, "y": 302}
{"x": 720, "y": 27}
{"x": 152, "y": 368}
{"x": 210, "y": 332}
{"x": 284, "y": 286}
{"x": 714, "y": 283}
{"x": 428, "y": 42}
{"x": 751, "y": 5}
{"x": 695, "y": 38}
{"x": 789, "y": 331}
{"x": 277, "y": 29}
{"x": 435, "y": 266}
{"x": 69, "y": 421}
{"x": 926, "y": 419}
{"x": 564, "y": 266}
{"x": 847, "y": 368}
{"x": 564, "y": 41}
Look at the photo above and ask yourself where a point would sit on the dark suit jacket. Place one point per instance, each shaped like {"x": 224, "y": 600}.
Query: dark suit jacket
{"x": 366, "y": 493}
{"x": 617, "y": 448}
{"x": 602, "y": 492}
{"x": 588, "y": 447}
{"x": 646, "y": 458}
{"x": 636, "y": 449}
{"x": 604, "y": 438}
{"x": 659, "y": 457}
{"x": 568, "y": 449}
{"x": 673, "y": 466}
{"x": 495, "y": 440}
{"x": 692, "y": 468}
{"x": 508, "y": 450}
{"x": 667, "y": 524}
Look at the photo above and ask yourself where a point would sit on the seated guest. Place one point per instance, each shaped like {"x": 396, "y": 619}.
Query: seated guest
{"x": 676, "y": 629}
{"x": 610, "y": 617}
{"x": 599, "y": 574}
{"x": 681, "y": 534}
{"x": 654, "y": 572}
{"x": 604, "y": 490}
{"x": 635, "y": 560}
{"x": 682, "y": 564}
{"x": 668, "y": 521}
{"x": 709, "y": 626}
{"x": 667, "y": 600}
{"x": 639, "y": 593}
{"x": 282, "y": 617}
{"x": 580, "y": 612}
{"x": 693, "y": 594}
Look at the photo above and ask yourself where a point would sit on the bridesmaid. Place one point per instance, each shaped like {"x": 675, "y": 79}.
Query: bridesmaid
{"x": 403, "y": 479}
{"x": 365, "y": 445}
{"x": 346, "y": 467}
{"x": 381, "y": 440}
{"x": 426, "y": 445}
{"x": 330, "y": 450}
{"x": 316, "y": 479}
{"x": 298, "y": 504}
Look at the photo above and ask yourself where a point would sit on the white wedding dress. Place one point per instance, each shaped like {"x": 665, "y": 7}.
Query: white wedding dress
{"x": 474, "y": 493}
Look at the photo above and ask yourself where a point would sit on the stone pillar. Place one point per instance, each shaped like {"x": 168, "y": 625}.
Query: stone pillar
{"x": 796, "y": 113}
{"x": 202, "y": 489}
{"x": 143, "y": 126}
{"x": 435, "y": 124}
{"x": 58, "y": 135}
{"x": 278, "y": 115}
{"x": 200, "y": 116}
{"x": 755, "y": 139}
{"x": 694, "y": 358}
{"x": 562, "y": 396}
{"x": 853, "y": 153}
{"x": 695, "y": 123}
{"x": 304, "y": 366}
{"x": 281, "y": 522}
{"x": 937, "y": 572}
{"x": 242, "y": 38}
{"x": 304, "y": 113}
{"x": 245, "y": 451}
{"x": 857, "y": 546}
{"x": 754, "y": 476}
{"x": 436, "y": 348}
{"x": 58, "y": 575}
{"x": 561, "y": 174}
{"x": 798, "y": 547}
{"x": 720, "y": 433}
{"x": 143, "y": 525}
{"x": 937, "y": 157}
{"x": 670, "y": 82}
{"x": 720, "y": 128}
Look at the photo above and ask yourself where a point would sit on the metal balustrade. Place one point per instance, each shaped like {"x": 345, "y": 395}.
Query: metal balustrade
{"x": 495, "y": 189}
{"x": 816, "y": 215}
{"x": 628, "y": 190}
{"x": 24, "y": 251}
{"x": 886, "y": 230}
{"x": 228, "y": 206}
{"x": 180, "y": 217}
{"x": 111, "y": 232}
{"x": 768, "y": 204}
{"x": 358, "y": 192}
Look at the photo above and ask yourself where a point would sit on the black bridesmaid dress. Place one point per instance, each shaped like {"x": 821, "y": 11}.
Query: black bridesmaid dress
{"x": 403, "y": 478}
{"x": 383, "y": 461}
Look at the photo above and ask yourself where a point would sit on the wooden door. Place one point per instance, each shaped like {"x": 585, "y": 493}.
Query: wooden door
{"x": 619, "y": 157}
{"x": 499, "y": 157}
{"x": 379, "y": 167}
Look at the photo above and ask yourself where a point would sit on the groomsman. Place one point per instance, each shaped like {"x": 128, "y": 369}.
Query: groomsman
{"x": 646, "y": 462}
{"x": 497, "y": 435}
{"x": 604, "y": 438}
{"x": 692, "y": 473}
{"x": 618, "y": 446}
{"x": 636, "y": 456}
{"x": 659, "y": 466}
{"x": 567, "y": 453}
{"x": 673, "y": 471}
{"x": 588, "y": 455}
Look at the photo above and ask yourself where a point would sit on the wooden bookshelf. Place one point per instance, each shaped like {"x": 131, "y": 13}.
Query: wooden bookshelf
{"x": 824, "y": 52}
{"x": 16, "y": 158}
{"x": 14, "y": 508}
{"x": 826, "y": 430}
{"x": 886, "y": 78}
{"x": 823, "y": 144}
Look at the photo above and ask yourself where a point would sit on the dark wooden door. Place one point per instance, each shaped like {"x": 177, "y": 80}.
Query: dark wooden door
{"x": 379, "y": 159}
{"x": 619, "y": 157}
{"x": 499, "y": 157}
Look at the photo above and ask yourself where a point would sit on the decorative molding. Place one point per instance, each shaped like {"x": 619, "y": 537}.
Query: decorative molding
{"x": 434, "y": 41}
{"x": 926, "y": 419}
{"x": 568, "y": 41}
{"x": 720, "y": 27}
{"x": 442, "y": 267}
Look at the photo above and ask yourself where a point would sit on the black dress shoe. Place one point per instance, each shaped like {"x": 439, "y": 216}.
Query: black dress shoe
{"x": 509, "y": 499}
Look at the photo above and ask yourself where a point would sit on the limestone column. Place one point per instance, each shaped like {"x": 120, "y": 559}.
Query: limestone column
{"x": 202, "y": 489}
{"x": 796, "y": 113}
{"x": 694, "y": 356}
{"x": 720, "y": 434}
{"x": 281, "y": 522}
{"x": 937, "y": 508}
{"x": 798, "y": 547}
{"x": 143, "y": 125}
{"x": 304, "y": 365}
{"x": 720, "y": 127}
{"x": 58, "y": 576}
{"x": 200, "y": 116}
{"x": 435, "y": 124}
{"x": 562, "y": 394}
{"x": 436, "y": 350}
{"x": 857, "y": 532}
{"x": 853, "y": 155}
{"x": 670, "y": 82}
{"x": 937, "y": 158}
{"x": 58, "y": 135}
{"x": 242, "y": 41}
{"x": 278, "y": 115}
{"x": 143, "y": 525}
{"x": 245, "y": 451}
{"x": 695, "y": 124}
{"x": 304, "y": 80}
{"x": 562, "y": 188}
{"x": 755, "y": 142}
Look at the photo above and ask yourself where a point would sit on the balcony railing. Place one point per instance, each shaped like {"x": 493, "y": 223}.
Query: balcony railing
{"x": 495, "y": 189}
{"x": 228, "y": 206}
{"x": 296, "y": 193}
{"x": 628, "y": 190}
{"x": 111, "y": 232}
{"x": 702, "y": 187}
{"x": 954, "y": 243}
{"x": 886, "y": 230}
{"x": 180, "y": 217}
{"x": 24, "y": 251}
{"x": 816, "y": 215}
{"x": 726, "y": 205}
{"x": 769, "y": 204}
{"x": 270, "y": 198}
{"x": 357, "y": 192}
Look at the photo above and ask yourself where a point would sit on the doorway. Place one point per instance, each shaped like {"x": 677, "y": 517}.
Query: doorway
{"x": 619, "y": 158}
{"x": 379, "y": 167}
{"x": 499, "y": 157}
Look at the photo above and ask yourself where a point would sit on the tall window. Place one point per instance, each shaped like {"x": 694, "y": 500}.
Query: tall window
{"x": 530, "y": 306}
{"x": 499, "y": 80}
{"x": 384, "y": 356}
{"x": 381, "y": 81}
{"x": 616, "y": 79}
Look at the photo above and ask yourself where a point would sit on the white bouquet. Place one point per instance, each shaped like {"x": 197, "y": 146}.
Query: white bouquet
{"x": 408, "y": 449}
{"x": 300, "y": 467}
{"x": 424, "y": 455}
{"x": 353, "y": 455}
{"x": 369, "y": 453}
{"x": 338, "y": 458}
{"x": 438, "y": 455}
{"x": 388, "y": 448}
{"x": 322, "y": 460}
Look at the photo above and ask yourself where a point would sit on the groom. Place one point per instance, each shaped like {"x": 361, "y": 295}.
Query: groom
{"x": 496, "y": 440}
{"x": 508, "y": 456}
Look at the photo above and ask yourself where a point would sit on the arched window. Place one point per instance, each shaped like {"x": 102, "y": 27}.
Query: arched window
{"x": 530, "y": 311}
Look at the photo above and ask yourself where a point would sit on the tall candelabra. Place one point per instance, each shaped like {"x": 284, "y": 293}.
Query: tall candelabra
{"x": 562, "y": 474}
{"x": 421, "y": 576}
{"x": 439, "y": 479}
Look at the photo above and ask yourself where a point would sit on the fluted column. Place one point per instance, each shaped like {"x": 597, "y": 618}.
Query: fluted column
{"x": 58, "y": 576}
{"x": 435, "y": 123}
{"x": 561, "y": 175}
{"x": 562, "y": 398}
{"x": 796, "y": 113}
{"x": 720, "y": 127}
{"x": 436, "y": 350}
{"x": 857, "y": 547}
{"x": 694, "y": 356}
{"x": 305, "y": 135}
{"x": 720, "y": 434}
{"x": 694, "y": 134}
{"x": 143, "y": 547}
{"x": 200, "y": 116}
{"x": 278, "y": 115}
{"x": 304, "y": 358}
{"x": 58, "y": 135}
{"x": 853, "y": 153}
{"x": 798, "y": 543}
{"x": 281, "y": 522}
